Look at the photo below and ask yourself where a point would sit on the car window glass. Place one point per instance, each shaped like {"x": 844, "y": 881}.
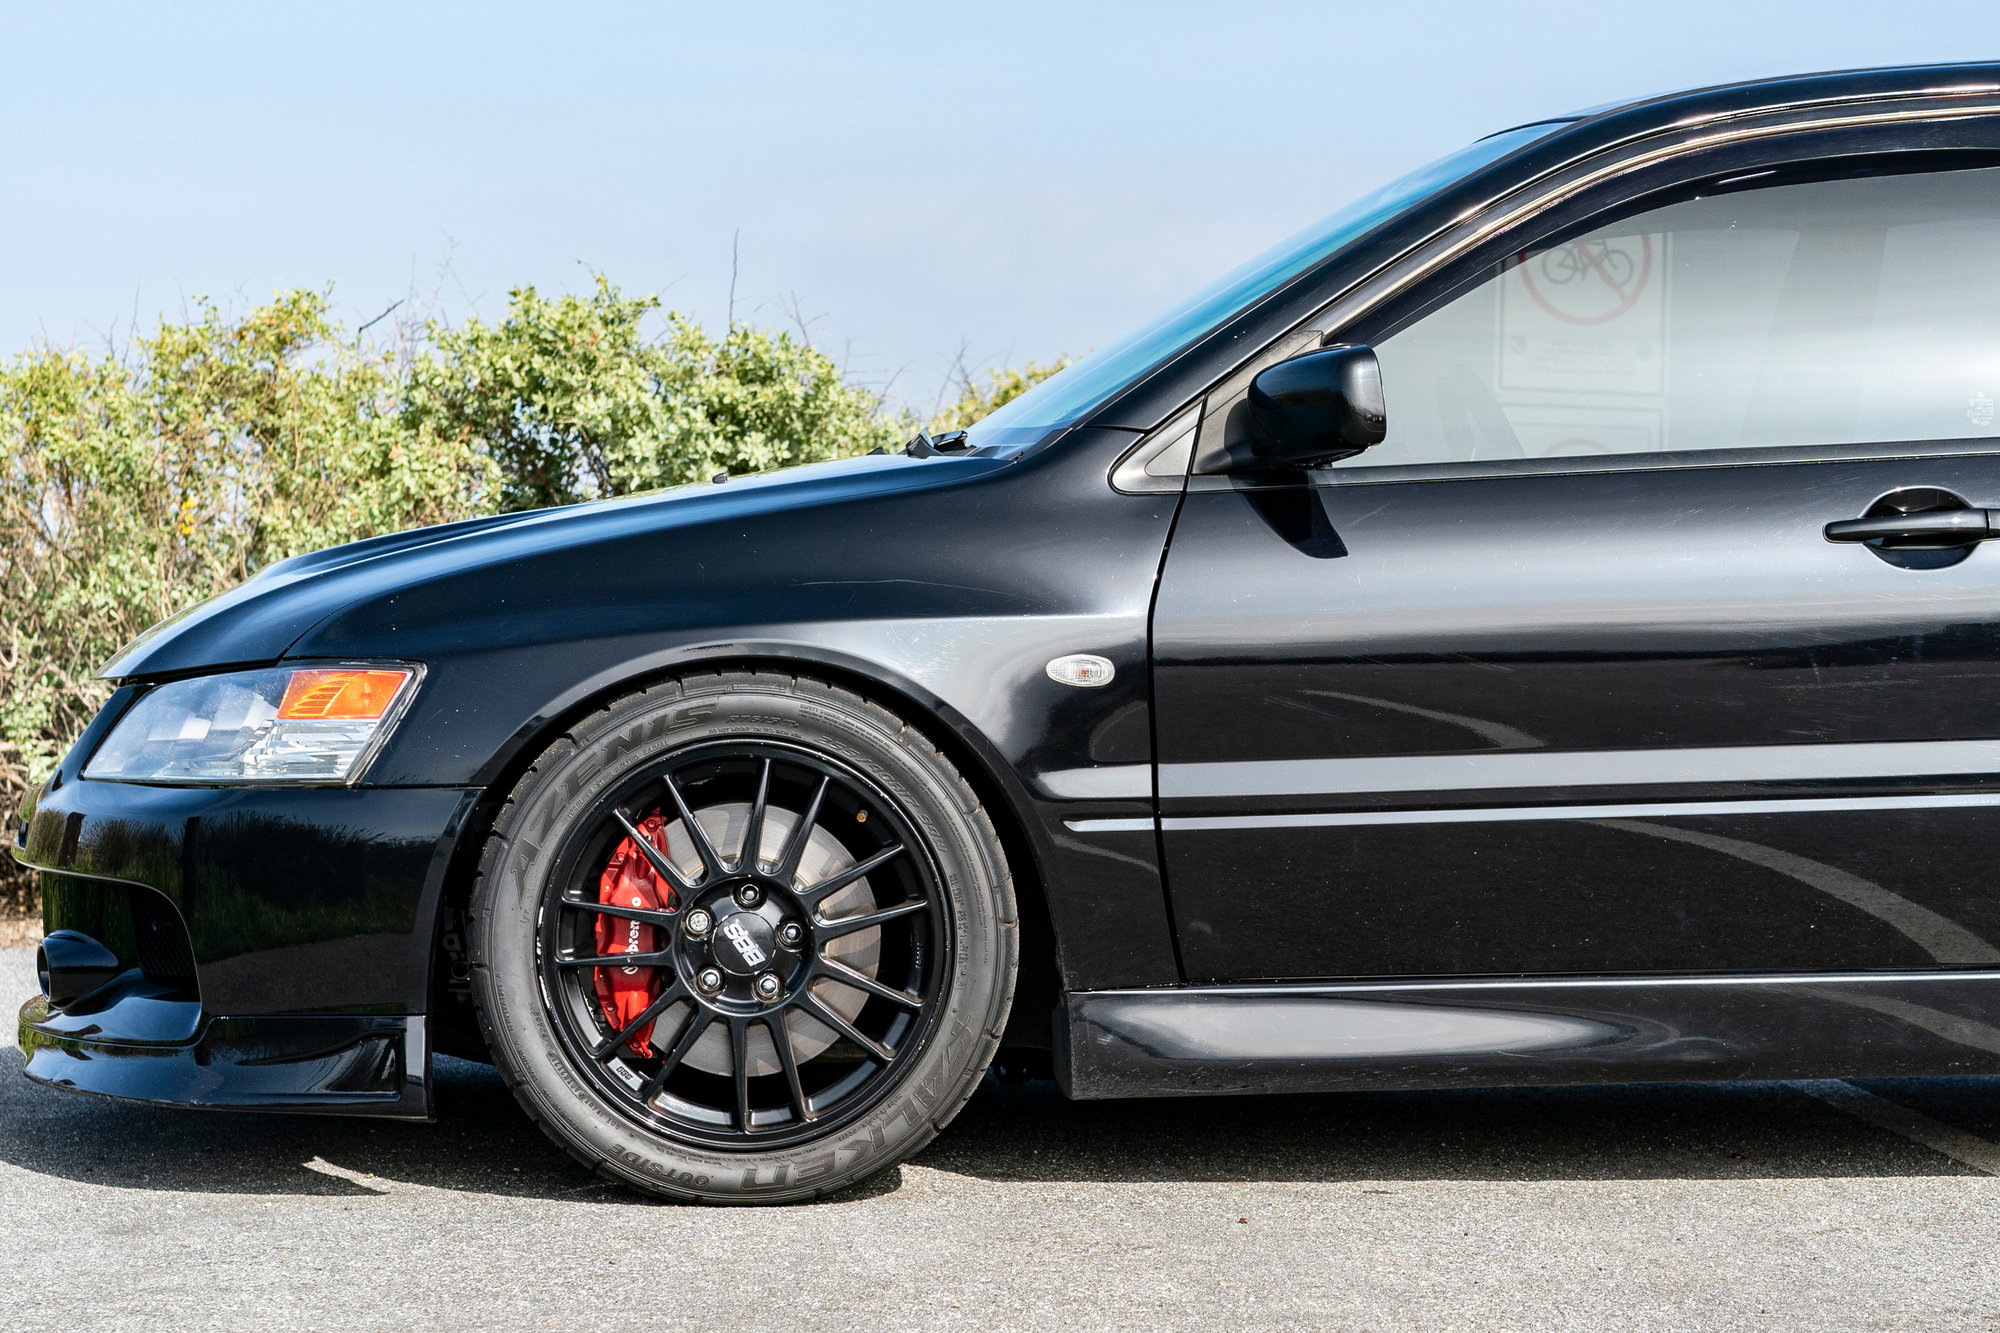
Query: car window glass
{"x": 1834, "y": 312}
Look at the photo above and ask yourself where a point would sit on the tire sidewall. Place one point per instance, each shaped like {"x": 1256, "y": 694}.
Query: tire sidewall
{"x": 638, "y": 731}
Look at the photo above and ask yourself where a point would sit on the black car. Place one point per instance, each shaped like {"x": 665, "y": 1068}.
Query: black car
{"x": 1529, "y": 628}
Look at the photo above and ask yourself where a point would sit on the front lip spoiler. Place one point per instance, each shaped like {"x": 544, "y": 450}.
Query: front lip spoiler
{"x": 147, "y": 1046}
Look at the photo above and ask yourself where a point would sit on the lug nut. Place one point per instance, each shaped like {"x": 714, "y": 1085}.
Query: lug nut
{"x": 749, "y": 896}
{"x": 791, "y": 934}
{"x": 709, "y": 979}
{"x": 697, "y": 923}
{"x": 767, "y": 986}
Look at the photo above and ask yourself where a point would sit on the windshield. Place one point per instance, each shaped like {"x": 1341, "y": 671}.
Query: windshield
{"x": 1061, "y": 399}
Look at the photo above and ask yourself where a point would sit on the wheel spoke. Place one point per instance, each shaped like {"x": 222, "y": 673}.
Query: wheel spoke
{"x": 847, "y": 925}
{"x": 711, "y": 860}
{"x": 753, "y": 832}
{"x": 655, "y": 858}
{"x": 652, "y": 916}
{"x": 781, "y": 1037}
{"x": 860, "y": 870}
{"x": 860, "y": 981}
{"x": 612, "y": 1045}
{"x": 656, "y": 958}
{"x": 795, "y": 846}
{"x": 810, "y": 1003}
{"x": 696, "y": 1025}
{"x": 739, "y": 1066}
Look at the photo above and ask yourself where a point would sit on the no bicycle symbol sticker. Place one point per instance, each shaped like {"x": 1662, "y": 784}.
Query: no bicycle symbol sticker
{"x": 1582, "y": 356}
{"x": 1591, "y": 281}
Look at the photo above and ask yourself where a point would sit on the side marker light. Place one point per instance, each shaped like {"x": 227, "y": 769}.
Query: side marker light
{"x": 1086, "y": 670}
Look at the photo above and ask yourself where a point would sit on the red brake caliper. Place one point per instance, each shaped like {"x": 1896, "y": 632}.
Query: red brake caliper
{"x": 628, "y": 881}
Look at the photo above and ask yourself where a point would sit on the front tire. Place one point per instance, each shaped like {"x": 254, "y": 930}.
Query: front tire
{"x": 824, "y": 917}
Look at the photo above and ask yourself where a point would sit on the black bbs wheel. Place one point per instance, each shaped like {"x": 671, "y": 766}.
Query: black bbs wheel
{"x": 759, "y": 963}
{"x": 743, "y": 937}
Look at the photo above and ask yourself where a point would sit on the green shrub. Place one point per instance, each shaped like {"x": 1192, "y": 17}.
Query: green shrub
{"x": 573, "y": 402}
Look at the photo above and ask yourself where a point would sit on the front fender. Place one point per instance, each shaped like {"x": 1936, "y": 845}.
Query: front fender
{"x": 951, "y": 599}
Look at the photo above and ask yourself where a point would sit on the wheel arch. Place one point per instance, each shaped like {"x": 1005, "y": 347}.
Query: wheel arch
{"x": 1037, "y": 984}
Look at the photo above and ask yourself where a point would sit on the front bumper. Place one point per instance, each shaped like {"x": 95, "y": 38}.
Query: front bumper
{"x": 273, "y": 947}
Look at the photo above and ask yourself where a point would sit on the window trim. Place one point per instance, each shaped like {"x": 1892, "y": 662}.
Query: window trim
{"x": 1686, "y": 460}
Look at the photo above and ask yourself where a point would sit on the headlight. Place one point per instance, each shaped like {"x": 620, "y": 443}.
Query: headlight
{"x": 313, "y": 724}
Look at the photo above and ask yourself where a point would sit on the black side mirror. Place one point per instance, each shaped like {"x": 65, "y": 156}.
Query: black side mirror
{"x": 1317, "y": 408}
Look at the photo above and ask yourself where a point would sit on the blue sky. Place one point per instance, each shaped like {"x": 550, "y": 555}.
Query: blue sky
{"x": 920, "y": 181}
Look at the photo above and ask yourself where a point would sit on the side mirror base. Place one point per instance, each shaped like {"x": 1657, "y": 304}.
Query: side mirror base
{"x": 1312, "y": 410}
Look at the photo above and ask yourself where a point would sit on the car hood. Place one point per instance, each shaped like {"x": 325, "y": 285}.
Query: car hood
{"x": 259, "y": 620}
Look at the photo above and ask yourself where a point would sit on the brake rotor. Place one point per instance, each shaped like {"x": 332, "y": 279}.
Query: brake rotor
{"x": 823, "y": 856}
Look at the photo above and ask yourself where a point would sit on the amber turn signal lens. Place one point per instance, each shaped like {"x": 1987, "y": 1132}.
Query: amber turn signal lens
{"x": 341, "y": 694}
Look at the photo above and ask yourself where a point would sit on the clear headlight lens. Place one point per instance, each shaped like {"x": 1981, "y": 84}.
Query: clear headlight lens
{"x": 311, "y": 724}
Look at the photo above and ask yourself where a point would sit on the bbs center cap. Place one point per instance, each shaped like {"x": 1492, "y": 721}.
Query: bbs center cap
{"x": 744, "y": 944}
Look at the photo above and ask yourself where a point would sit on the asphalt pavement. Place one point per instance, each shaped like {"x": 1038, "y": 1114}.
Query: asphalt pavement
{"x": 1701, "y": 1207}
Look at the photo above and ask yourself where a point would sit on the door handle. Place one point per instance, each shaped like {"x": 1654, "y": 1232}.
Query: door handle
{"x": 1966, "y": 525}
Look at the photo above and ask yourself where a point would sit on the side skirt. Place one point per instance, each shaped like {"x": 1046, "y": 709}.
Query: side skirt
{"x": 1359, "y": 1036}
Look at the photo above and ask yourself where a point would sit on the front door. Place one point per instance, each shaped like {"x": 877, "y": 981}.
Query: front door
{"x": 1566, "y": 677}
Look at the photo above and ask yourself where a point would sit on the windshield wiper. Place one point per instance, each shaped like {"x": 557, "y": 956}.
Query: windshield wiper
{"x": 925, "y": 445}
